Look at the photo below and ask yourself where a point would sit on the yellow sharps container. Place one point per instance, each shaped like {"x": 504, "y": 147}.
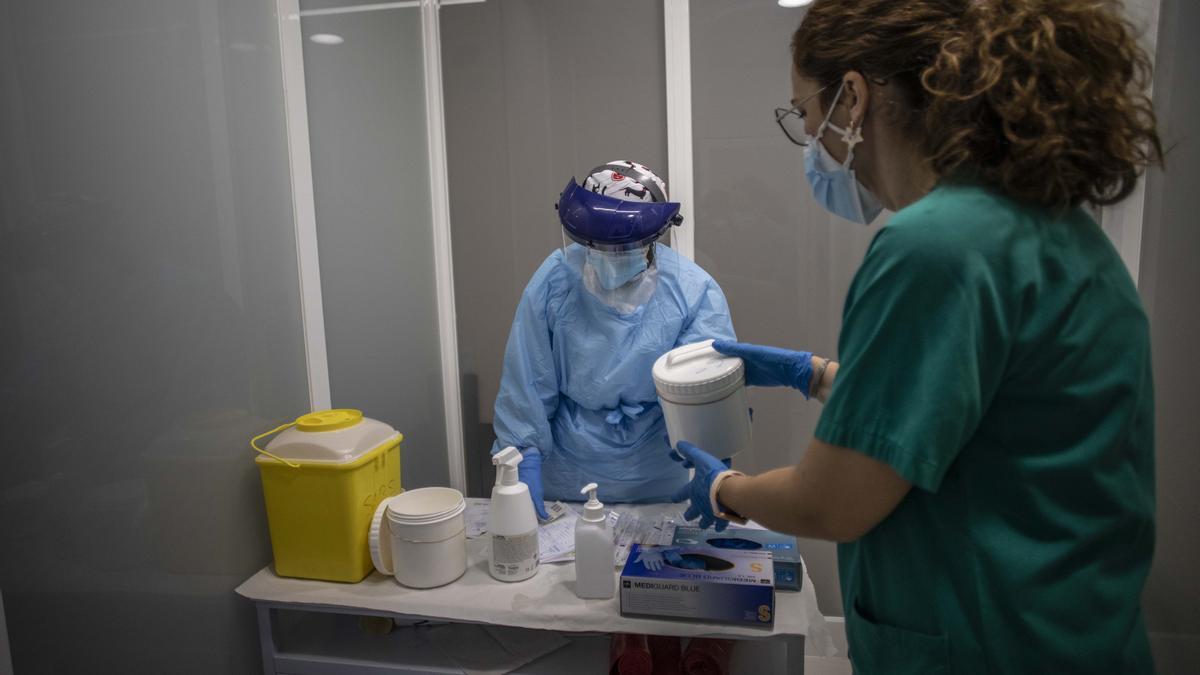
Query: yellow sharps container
{"x": 322, "y": 479}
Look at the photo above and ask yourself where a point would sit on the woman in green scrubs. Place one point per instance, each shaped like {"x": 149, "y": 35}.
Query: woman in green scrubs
{"x": 985, "y": 451}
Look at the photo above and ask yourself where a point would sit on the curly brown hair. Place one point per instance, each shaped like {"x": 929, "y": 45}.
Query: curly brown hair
{"x": 1043, "y": 99}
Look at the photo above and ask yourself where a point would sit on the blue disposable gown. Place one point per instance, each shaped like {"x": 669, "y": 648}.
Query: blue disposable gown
{"x": 577, "y": 382}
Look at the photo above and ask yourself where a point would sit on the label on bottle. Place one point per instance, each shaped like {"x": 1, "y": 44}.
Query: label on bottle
{"x": 515, "y": 556}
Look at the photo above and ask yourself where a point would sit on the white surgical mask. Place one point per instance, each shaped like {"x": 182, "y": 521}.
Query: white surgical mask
{"x": 614, "y": 270}
{"x": 834, "y": 185}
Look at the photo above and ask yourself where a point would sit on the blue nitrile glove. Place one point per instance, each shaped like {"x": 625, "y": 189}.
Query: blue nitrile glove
{"x": 699, "y": 489}
{"x": 650, "y": 558}
{"x": 771, "y": 366}
{"x": 529, "y": 472}
{"x": 728, "y": 461}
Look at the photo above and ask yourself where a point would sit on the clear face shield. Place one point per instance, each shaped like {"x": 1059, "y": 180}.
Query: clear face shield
{"x": 623, "y": 280}
{"x": 614, "y": 244}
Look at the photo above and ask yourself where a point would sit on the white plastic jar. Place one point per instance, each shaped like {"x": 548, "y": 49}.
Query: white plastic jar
{"x": 703, "y": 397}
{"x": 419, "y": 537}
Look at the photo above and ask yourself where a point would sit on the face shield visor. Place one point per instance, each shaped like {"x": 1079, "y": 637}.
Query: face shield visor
{"x": 605, "y": 223}
{"x": 612, "y": 243}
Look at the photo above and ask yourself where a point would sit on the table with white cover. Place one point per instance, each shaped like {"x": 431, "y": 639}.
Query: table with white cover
{"x": 308, "y": 627}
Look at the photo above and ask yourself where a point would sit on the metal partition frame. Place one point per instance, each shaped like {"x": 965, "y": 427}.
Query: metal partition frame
{"x": 678, "y": 32}
{"x": 304, "y": 210}
{"x": 443, "y": 255}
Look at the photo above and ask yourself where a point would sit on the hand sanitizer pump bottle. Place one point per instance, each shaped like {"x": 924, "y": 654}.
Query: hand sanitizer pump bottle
{"x": 512, "y": 522}
{"x": 594, "y": 549}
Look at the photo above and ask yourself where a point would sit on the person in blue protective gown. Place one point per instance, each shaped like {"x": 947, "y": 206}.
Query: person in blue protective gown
{"x": 576, "y": 395}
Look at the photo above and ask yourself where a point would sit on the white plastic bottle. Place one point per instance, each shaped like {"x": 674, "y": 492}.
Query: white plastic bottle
{"x": 512, "y": 522}
{"x": 594, "y": 548}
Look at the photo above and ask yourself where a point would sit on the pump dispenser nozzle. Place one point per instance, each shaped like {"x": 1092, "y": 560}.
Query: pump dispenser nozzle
{"x": 593, "y": 510}
{"x": 506, "y": 462}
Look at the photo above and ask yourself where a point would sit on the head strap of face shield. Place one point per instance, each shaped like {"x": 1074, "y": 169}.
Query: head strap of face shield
{"x": 609, "y": 224}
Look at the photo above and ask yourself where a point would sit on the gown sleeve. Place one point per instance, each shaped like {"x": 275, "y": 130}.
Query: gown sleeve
{"x": 709, "y": 317}
{"x": 528, "y": 396}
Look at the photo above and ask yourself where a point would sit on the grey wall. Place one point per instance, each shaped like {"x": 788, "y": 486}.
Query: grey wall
{"x": 1170, "y": 284}
{"x": 150, "y": 325}
{"x": 370, "y": 161}
{"x": 536, "y": 91}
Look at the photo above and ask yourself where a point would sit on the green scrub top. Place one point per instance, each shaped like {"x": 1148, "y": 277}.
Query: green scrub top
{"x": 997, "y": 356}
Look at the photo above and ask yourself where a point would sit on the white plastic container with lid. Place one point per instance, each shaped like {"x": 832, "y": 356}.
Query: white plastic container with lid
{"x": 703, "y": 397}
{"x": 419, "y": 537}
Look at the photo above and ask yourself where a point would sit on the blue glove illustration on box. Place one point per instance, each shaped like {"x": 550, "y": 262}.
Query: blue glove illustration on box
{"x": 653, "y": 558}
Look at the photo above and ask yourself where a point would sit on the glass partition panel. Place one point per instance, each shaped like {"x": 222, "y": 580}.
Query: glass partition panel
{"x": 149, "y": 326}
{"x": 536, "y": 91}
{"x": 364, "y": 78}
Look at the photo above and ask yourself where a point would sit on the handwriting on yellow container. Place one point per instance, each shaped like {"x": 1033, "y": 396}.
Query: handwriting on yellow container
{"x": 322, "y": 478}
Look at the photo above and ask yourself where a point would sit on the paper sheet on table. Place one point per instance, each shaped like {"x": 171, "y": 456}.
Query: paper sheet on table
{"x": 556, "y": 540}
{"x": 494, "y": 650}
{"x": 556, "y": 537}
{"x": 478, "y": 508}
{"x": 477, "y": 516}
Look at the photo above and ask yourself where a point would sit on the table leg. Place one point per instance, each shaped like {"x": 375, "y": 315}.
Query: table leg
{"x": 266, "y": 638}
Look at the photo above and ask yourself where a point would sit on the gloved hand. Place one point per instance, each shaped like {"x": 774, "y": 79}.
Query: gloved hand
{"x": 529, "y": 472}
{"x": 700, "y": 488}
{"x": 771, "y": 366}
{"x": 728, "y": 461}
{"x": 650, "y": 558}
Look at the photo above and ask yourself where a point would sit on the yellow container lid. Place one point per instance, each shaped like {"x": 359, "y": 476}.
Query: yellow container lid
{"x": 329, "y": 420}
{"x": 338, "y": 436}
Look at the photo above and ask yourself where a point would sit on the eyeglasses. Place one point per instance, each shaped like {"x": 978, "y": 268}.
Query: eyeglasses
{"x": 791, "y": 120}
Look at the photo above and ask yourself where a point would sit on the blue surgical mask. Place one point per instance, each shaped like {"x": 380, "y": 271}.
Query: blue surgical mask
{"x": 614, "y": 270}
{"x": 834, "y": 185}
